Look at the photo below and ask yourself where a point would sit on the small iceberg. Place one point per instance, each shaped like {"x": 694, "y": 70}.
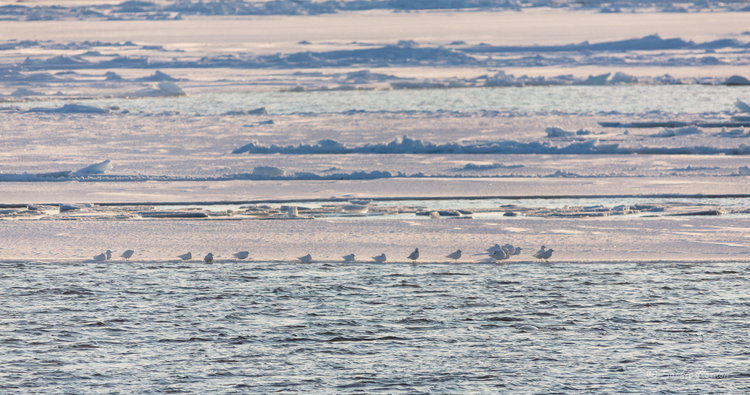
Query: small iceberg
{"x": 163, "y": 89}
{"x": 737, "y": 80}
{"x": 97, "y": 168}
{"x": 355, "y": 208}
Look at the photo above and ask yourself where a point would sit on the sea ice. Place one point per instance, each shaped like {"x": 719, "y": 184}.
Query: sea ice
{"x": 97, "y": 168}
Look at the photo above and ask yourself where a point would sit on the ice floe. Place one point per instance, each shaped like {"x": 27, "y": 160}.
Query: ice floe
{"x": 407, "y": 145}
{"x": 70, "y": 109}
{"x": 97, "y": 168}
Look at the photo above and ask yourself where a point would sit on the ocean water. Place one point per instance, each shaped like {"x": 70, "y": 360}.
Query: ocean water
{"x": 569, "y": 99}
{"x": 255, "y": 327}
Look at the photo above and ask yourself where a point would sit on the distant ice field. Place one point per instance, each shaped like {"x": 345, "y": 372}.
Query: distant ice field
{"x": 567, "y": 99}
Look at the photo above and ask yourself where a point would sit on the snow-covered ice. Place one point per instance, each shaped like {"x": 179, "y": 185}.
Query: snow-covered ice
{"x": 251, "y": 118}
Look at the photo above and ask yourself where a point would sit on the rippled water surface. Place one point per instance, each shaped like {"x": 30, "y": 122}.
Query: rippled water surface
{"x": 569, "y": 99}
{"x": 254, "y": 327}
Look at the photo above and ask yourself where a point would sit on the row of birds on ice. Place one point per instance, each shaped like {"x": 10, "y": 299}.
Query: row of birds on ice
{"x": 497, "y": 251}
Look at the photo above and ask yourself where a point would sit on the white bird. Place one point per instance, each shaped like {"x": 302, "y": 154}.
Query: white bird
{"x": 500, "y": 255}
{"x": 510, "y": 249}
{"x": 455, "y": 256}
{"x": 494, "y": 248}
{"x": 242, "y": 255}
{"x": 348, "y": 258}
{"x": 127, "y": 254}
{"x": 544, "y": 255}
{"x": 101, "y": 257}
{"x": 186, "y": 257}
{"x": 109, "y": 254}
{"x": 414, "y": 255}
{"x": 305, "y": 259}
{"x": 380, "y": 258}
{"x": 541, "y": 250}
{"x": 517, "y": 251}
{"x": 209, "y": 258}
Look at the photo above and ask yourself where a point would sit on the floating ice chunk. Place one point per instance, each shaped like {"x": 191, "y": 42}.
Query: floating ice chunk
{"x": 70, "y": 109}
{"x": 557, "y": 132}
{"x": 113, "y": 77}
{"x": 736, "y": 80}
{"x": 67, "y": 207}
{"x": 407, "y": 43}
{"x": 158, "y": 76}
{"x": 171, "y": 89}
{"x": 501, "y": 79}
{"x": 165, "y": 88}
{"x": 20, "y": 92}
{"x": 622, "y": 78}
{"x": 97, "y": 168}
{"x": 742, "y": 106}
{"x": 355, "y": 208}
{"x": 564, "y": 174}
{"x": 678, "y": 132}
{"x": 596, "y": 80}
{"x": 269, "y": 171}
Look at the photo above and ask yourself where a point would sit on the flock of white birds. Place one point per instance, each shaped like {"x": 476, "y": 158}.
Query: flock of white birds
{"x": 498, "y": 252}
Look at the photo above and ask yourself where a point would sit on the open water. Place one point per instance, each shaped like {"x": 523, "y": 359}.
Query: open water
{"x": 568, "y": 99}
{"x": 251, "y": 327}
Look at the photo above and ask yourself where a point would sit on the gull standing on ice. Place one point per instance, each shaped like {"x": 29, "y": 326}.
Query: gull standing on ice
{"x": 414, "y": 255}
{"x": 348, "y": 258}
{"x": 541, "y": 250}
{"x": 209, "y": 258}
{"x": 494, "y": 248}
{"x": 101, "y": 257}
{"x": 455, "y": 256}
{"x": 242, "y": 255}
{"x": 127, "y": 254}
{"x": 305, "y": 259}
{"x": 186, "y": 257}
{"x": 500, "y": 255}
{"x": 517, "y": 251}
{"x": 380, "y": 258}
{"x": 109, "y": 254}
{"x": 544, "y": 255}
